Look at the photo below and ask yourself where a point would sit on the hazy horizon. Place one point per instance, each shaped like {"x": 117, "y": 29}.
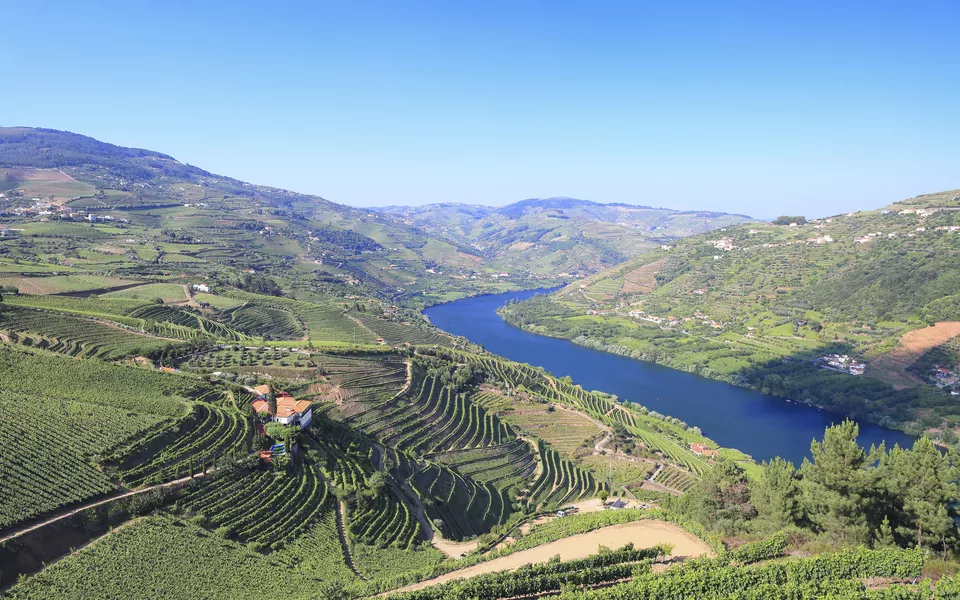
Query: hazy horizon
{"x": 755, "y": 109}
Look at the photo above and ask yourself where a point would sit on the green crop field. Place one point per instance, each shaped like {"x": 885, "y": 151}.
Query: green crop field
{"x": 46, "y": 467}
{"x": 124, "y": 388}
{"x": 168, "y": 292}
{"x": 60, "y": 284}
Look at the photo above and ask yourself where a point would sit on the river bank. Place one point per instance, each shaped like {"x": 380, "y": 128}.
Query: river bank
{"x": 759, "y": 424}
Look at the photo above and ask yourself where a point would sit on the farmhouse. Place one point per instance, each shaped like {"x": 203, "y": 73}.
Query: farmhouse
{"x": 200, "y": 287}
{"x": 290, "y": 411}
{"x": 702, "y": 450}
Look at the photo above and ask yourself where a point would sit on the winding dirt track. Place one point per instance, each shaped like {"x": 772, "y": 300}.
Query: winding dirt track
{"x": 643, "y": 534}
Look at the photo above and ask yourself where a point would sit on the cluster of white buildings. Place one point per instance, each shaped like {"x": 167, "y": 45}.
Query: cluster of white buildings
{"x": 945, "y": 378}
{"x": 842, "y": 363}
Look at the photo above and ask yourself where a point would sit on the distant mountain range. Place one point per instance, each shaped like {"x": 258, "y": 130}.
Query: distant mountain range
{"x": 434, "y": 252}
{"x": 560, "y": 234}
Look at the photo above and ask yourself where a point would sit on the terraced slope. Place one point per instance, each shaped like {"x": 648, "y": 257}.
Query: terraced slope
{"x": 431, "y": 418}
{"x": 266, "y": 508}
{"x": 74, "y": 336}
{"x": 207, "y": 434}
{"x": 48, "y": 447}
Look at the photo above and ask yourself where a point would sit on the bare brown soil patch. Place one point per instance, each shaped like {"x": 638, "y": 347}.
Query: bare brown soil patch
{"x": 521, "y": 246}
{"x": 914, "y": 344}
{"x": 642, "y": 280}
{"x": 38, "y": 175}
{"x": 470, "y": 257}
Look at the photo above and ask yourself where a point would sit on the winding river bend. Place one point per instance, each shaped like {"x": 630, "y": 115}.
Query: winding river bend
{"x": 761, "y": 425}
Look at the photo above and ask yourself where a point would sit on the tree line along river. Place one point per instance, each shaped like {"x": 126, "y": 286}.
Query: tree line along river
{"x": 761, "y": 425}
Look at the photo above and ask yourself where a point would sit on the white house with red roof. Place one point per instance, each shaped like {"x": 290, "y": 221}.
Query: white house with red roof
{"x": 290, "y": 411}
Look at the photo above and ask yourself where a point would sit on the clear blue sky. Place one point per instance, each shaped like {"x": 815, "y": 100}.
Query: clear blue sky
{"x": 762, "y": 108}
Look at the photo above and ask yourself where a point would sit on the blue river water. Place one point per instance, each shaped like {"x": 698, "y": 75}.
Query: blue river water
{"x": 761, "y": 425}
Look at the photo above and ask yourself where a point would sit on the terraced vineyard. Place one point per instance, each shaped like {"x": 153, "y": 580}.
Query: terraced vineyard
{"x": 676, "y": 479}
{"x": 359, "y": 382}
{"x": 398, "y": 333}
{"x": 560, "y": 481}
{"x": 317, "y": 551}
{"x": 262, "y": 507}
{"x": 502, "y": 466}
{"x": 382, "y": 519}
{"x": 565, "y": 430}
{"x": 431, "y": 418}
{"x": 263, "y": 321}
{"x": 74, "y": 336}
{"x": 322, "y": 321}
{"x": 97, "y": 306}
{"x": 207, "y": 434}
{"x": 464, "y": 507}
{"x": 48, "y": 445}
{"x": 167, "y": 321}
{"x": 658, "y": 434}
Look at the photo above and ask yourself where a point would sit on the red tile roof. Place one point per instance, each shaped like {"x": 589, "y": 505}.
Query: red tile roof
{"x": 287, "y": 406}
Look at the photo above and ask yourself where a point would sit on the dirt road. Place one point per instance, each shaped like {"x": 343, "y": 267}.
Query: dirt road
{"x": 63, "y": 515}
{"x": 643, "y": 534}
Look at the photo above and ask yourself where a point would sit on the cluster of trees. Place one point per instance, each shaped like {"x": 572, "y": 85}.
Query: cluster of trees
{"x": 345, "y": 240}
{"x": 455, "y": 377}
{"x": 849, "y": 495}
{"x": 8, "y": 290}
{"x": 259, "y": 284}
{"x": 888, "y": 282}
{"x": 786, "y": 220}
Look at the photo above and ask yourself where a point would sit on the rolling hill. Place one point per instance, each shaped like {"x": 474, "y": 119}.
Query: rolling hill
{"x": 220, "y": 389}
{"x": 560, "y": 235}
{"x": 224, "y": 225}
{"x": 777, "y": 306}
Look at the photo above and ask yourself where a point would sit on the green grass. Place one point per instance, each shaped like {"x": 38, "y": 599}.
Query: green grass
{"x": 60, "y": 284}
{"x": 218, "y": 302}
{"x": 34, "y": 267}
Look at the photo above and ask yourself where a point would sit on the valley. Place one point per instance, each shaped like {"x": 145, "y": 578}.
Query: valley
{"x": 767, "y": 306}
{"x": 218, "y": 388}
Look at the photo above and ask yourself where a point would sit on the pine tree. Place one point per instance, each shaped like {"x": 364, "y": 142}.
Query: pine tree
{"x": 777, "y": 494}
{"x": 835, "y": 483}
{"x": 271, "y": 399}
{"x": 928, "y": 486}
{"x": 724, "y": 498}
{"x": 883, "y": 538}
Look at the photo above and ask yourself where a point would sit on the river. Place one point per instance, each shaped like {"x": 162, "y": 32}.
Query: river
{"x": 761, "y": 425}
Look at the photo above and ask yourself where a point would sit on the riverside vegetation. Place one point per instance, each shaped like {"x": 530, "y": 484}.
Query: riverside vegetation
{"x": 766, "y": 306}
{"x": 130, "y": 349}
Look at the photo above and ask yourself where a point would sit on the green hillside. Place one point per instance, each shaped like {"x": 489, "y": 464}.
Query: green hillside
{"x": 768, "y": 305}
{"x": 157, "y": 218}
{"x": 228, "y": 390}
